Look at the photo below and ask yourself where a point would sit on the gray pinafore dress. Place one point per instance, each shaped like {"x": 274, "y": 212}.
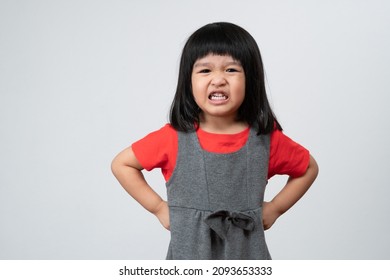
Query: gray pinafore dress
{"x": 215, "y": 201}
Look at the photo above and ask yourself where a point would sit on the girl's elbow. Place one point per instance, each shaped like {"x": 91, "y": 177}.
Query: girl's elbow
{"x": 313, "y": 168}
{"x": 114, "y": 166}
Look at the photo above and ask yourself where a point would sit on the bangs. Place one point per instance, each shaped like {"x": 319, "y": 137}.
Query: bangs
{"x": 218, "y": 40}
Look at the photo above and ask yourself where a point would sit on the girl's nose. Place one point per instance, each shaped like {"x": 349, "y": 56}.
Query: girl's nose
{"x": 218, "y": 80}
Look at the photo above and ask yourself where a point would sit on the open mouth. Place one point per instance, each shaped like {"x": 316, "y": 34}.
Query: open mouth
{"x": 218, "y": 96}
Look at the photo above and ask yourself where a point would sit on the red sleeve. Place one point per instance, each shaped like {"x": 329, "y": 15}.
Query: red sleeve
{"x": 158, "y": 150}
{"x": 286, "y": 156}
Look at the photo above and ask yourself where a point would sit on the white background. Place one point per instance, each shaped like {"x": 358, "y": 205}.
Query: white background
{"x": 81, "y": 80}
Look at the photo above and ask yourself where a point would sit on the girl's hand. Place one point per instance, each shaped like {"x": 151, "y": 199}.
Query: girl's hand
{"x": 162, "y": 214}
{"x": 289, "y": 195}
{"x": 270, "y": 214}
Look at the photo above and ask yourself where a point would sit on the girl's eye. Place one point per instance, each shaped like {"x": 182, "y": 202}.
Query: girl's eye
{"x": 204, "y": 71}
{"x": 230, "y": 70}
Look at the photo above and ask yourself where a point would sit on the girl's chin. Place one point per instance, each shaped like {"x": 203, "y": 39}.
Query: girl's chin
{"x": 207, "y": 115}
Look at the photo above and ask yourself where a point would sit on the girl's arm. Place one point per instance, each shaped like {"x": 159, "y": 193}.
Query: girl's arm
{"x": 127, "y": 170}
{"x": 289, "y": 195}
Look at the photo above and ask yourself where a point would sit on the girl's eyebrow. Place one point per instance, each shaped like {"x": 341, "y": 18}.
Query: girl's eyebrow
{"x": 208, "y": 64}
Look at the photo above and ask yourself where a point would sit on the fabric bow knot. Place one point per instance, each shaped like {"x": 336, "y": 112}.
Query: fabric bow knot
{"x": 220, "y": 222}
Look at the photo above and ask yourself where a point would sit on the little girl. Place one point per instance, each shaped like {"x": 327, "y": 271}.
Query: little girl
{"x": 222, "y": 145}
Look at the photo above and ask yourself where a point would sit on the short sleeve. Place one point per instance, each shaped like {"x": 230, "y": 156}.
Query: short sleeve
{"x": 286, "y": 156}
{"x": 157, "y": 149}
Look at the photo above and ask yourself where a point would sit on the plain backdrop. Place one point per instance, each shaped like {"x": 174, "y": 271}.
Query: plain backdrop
{"x": 82, "y": 80}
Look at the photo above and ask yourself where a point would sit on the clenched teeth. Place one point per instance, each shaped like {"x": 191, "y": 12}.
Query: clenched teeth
{"x": 217, "y": 96}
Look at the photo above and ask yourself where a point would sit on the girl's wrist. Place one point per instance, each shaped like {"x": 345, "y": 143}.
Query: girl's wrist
{"x": 277, "y": 209}
{"x": 158, "y": 207}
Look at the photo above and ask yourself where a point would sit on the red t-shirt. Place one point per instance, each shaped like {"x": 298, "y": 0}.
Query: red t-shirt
{"x": 159, "y": 150}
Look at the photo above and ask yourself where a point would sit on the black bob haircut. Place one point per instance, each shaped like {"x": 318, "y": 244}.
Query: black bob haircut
{"x": 223, "y": 38}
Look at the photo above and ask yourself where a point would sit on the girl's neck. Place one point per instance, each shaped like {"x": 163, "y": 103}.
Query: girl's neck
{"x": 222, "y": 125}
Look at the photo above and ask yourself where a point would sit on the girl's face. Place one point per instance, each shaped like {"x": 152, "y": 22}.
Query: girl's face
{"x": 218, "y": 86}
